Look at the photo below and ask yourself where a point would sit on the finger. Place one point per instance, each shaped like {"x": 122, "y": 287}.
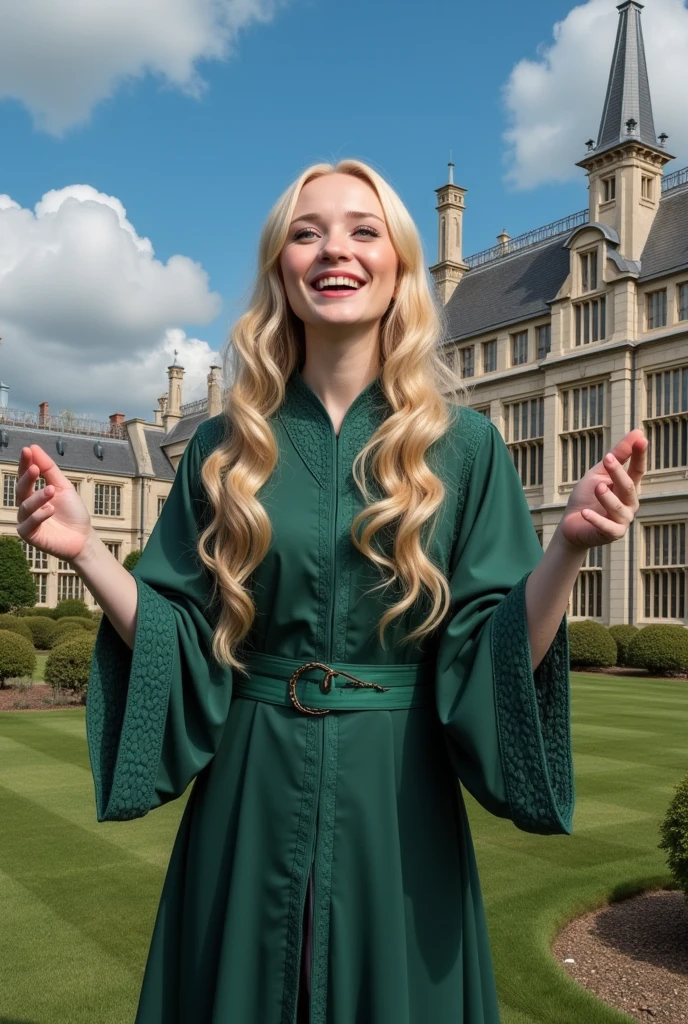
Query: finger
{"x": 613, "y": 505}
{"x": 26, "y": 528}
{"x": 27, "y": 481}
{"x": 607, "y": 528}
{"x": 624, "y": 488}
{"x": 34, "y": 501}
{"x": 48, "y": 468}
{"x": 638, "y": 466}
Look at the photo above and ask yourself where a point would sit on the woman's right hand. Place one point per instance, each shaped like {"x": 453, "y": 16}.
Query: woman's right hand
{"x": 54, "y": 518}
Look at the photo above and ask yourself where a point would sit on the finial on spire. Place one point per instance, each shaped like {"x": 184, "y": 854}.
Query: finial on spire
{"x": 450, "y": 165}
{"x": 176, "y": 353}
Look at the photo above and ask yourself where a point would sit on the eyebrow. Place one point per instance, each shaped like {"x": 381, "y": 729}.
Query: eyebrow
{"x": 349, "y": 213}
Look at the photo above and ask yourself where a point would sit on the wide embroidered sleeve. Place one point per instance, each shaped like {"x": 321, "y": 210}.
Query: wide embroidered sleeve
{"x": 507, "y": 727}
{"x": 155, "y": 714}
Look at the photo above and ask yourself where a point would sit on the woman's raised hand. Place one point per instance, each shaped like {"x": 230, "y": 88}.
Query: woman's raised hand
{"x": 53, "y": 518}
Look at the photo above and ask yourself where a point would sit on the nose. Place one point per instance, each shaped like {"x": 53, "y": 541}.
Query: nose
{"x": 335, "y": 246}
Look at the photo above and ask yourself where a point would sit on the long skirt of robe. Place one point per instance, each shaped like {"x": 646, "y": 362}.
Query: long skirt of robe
{"x": 368, "y": 801}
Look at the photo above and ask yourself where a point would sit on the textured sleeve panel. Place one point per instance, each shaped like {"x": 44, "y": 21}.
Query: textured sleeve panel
{"x": 533, "y": 718}
{"x": 125, "y": 723}
{"x": 155, "y": 714}
{"x": 507, "y": 728}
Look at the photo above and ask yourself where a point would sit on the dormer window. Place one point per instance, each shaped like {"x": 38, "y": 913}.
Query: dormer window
{"x": 589, "y": 271}
{"x": 609, "y": 188}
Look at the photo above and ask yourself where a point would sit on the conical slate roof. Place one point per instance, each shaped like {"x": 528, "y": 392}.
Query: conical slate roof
{"x": 628, "y": 92}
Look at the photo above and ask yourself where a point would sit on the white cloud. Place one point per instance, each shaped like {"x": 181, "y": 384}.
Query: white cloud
{"x": 88, "y": 315}
{"x": 61, "y": 59}
{"x": 554, "y": 103}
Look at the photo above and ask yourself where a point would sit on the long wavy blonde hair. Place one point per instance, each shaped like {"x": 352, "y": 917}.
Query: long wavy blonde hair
{"x": 265, "y": 346}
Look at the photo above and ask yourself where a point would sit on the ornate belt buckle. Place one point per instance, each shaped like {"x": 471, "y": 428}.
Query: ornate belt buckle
{"x": 325, "y": 687}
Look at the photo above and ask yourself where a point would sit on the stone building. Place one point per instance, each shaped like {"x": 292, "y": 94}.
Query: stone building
{"x": 123, "y": 471}
{"x": 573, "y": 334}
{"x": 568, "y": 336}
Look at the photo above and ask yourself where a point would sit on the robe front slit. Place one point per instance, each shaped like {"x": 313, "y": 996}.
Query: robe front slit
{"x": 324, "y": 870}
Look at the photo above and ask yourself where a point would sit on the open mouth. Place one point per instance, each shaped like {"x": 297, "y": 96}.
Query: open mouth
{"x": 337, "y": 287}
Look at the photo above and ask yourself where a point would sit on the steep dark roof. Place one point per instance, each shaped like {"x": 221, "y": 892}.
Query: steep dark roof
{"x": 666, "y": 249}
{"x": 628, "y": 91}
{"x": 118, "y": 458}
{"x": 184, "y": 429}
{"x": 162, "y": 467}
{"x": 508, "y": 290}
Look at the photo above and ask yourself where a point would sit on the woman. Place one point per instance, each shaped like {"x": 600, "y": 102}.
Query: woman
{"x": 343, "y": 609}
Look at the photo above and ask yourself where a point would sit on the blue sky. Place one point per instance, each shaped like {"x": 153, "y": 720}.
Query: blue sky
{"x": 398, "y": 85}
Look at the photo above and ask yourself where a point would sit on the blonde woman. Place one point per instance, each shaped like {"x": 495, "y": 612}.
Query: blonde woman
{"x": 342, "y": 610}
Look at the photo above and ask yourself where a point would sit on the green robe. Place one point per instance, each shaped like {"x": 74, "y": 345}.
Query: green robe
{"x": 368, "y": 799}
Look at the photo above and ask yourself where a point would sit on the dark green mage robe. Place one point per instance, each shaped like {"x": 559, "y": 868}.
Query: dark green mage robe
{"x": 368, "y": 800}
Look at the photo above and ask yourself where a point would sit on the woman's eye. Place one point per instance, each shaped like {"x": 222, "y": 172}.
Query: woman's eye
{"x": 309, "y": 232}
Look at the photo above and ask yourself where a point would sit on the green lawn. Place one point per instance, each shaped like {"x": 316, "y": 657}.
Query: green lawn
{"x": 78, "y": 898}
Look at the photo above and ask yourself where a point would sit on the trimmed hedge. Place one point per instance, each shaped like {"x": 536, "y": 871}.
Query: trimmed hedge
{"x": 623, "y": 634}
{"x": 77, "y": 620}
{"x": 42, "y": 631}
{"x": 72, "y": 606}
{"x": 16, "y": 625}
{"x": 69, "y": 663}
{"x": 674, "y": 833}
{"x": 661, "y": 649}
{"x": 591, "y": 645}
{"x": 17, "y": 656}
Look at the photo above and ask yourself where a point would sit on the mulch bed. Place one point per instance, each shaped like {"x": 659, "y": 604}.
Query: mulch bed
{"x": 38, "y": 697}
{"x": 633, "y": 955}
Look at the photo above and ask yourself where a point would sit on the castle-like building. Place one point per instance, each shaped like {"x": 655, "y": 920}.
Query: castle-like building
{"x": 568, "y": 337}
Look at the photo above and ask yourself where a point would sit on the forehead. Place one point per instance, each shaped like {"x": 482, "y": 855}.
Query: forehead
{"x": 336, "y": 193}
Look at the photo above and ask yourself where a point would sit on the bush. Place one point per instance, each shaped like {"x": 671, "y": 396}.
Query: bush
{"x": 16, "y": 625}
{"x": 591, "y": 645}
{"x": 67, "y": 629}
{"x": 662, "y": 650}
{"x": 69, "y": 663}
{"x": 674, "y": 833}
{"x": 17, "y": 656}
{"x": 17, "y": 586}
{"x": 76, "y": 620}
{"x": 72, "y": 606}
{"x": 47, "y": 613}
{"x": 131, "y": 559}
{"x": 42, "y": 630}
{"x": 623, "y": 636}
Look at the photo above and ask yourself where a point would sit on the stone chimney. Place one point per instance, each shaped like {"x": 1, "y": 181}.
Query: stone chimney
{"x": 159, "y": 412}
{"x": 116, "y": 418}
{"x": 173, "y": 411}
{"x": 43, "y": 414}
{"x": 503, "y": 240}
{"x": 215, "y": 401}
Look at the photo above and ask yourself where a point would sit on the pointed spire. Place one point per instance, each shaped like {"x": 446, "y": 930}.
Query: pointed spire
{"x": 627, "y": 110}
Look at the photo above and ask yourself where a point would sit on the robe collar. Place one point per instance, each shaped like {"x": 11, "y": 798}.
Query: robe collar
{"x": 311, "y": 430}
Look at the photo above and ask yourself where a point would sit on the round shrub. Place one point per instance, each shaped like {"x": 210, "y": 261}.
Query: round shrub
{"x": 66, "y": 635}
{"x": 77, "y": 620}
{"x": 69, "y": 663}
{"x": 17, "y": 656}
{"x": 48, "y": 613}
{"x": 623, "y": 634}
{"x": 132, "y": 558}
{"x": 591, "y": 645}
{"x": 16, "y": 625}
{"x": 662, "y": 649}
{"x": 72, "y": 606}
{"x": 674, "y": 833}
{"x": 42, "y": 630}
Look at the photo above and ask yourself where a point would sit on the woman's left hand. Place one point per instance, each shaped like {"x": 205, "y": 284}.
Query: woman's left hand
{"x": 604, "y": 502}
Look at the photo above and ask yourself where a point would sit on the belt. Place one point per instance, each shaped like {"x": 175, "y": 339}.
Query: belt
{"x": 334, "y": 687}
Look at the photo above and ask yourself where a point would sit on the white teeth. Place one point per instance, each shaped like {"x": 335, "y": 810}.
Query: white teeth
{"x": 327, "y": 282}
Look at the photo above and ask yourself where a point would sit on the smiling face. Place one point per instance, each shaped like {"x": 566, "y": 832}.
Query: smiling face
{"x": 338, "y": 236}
